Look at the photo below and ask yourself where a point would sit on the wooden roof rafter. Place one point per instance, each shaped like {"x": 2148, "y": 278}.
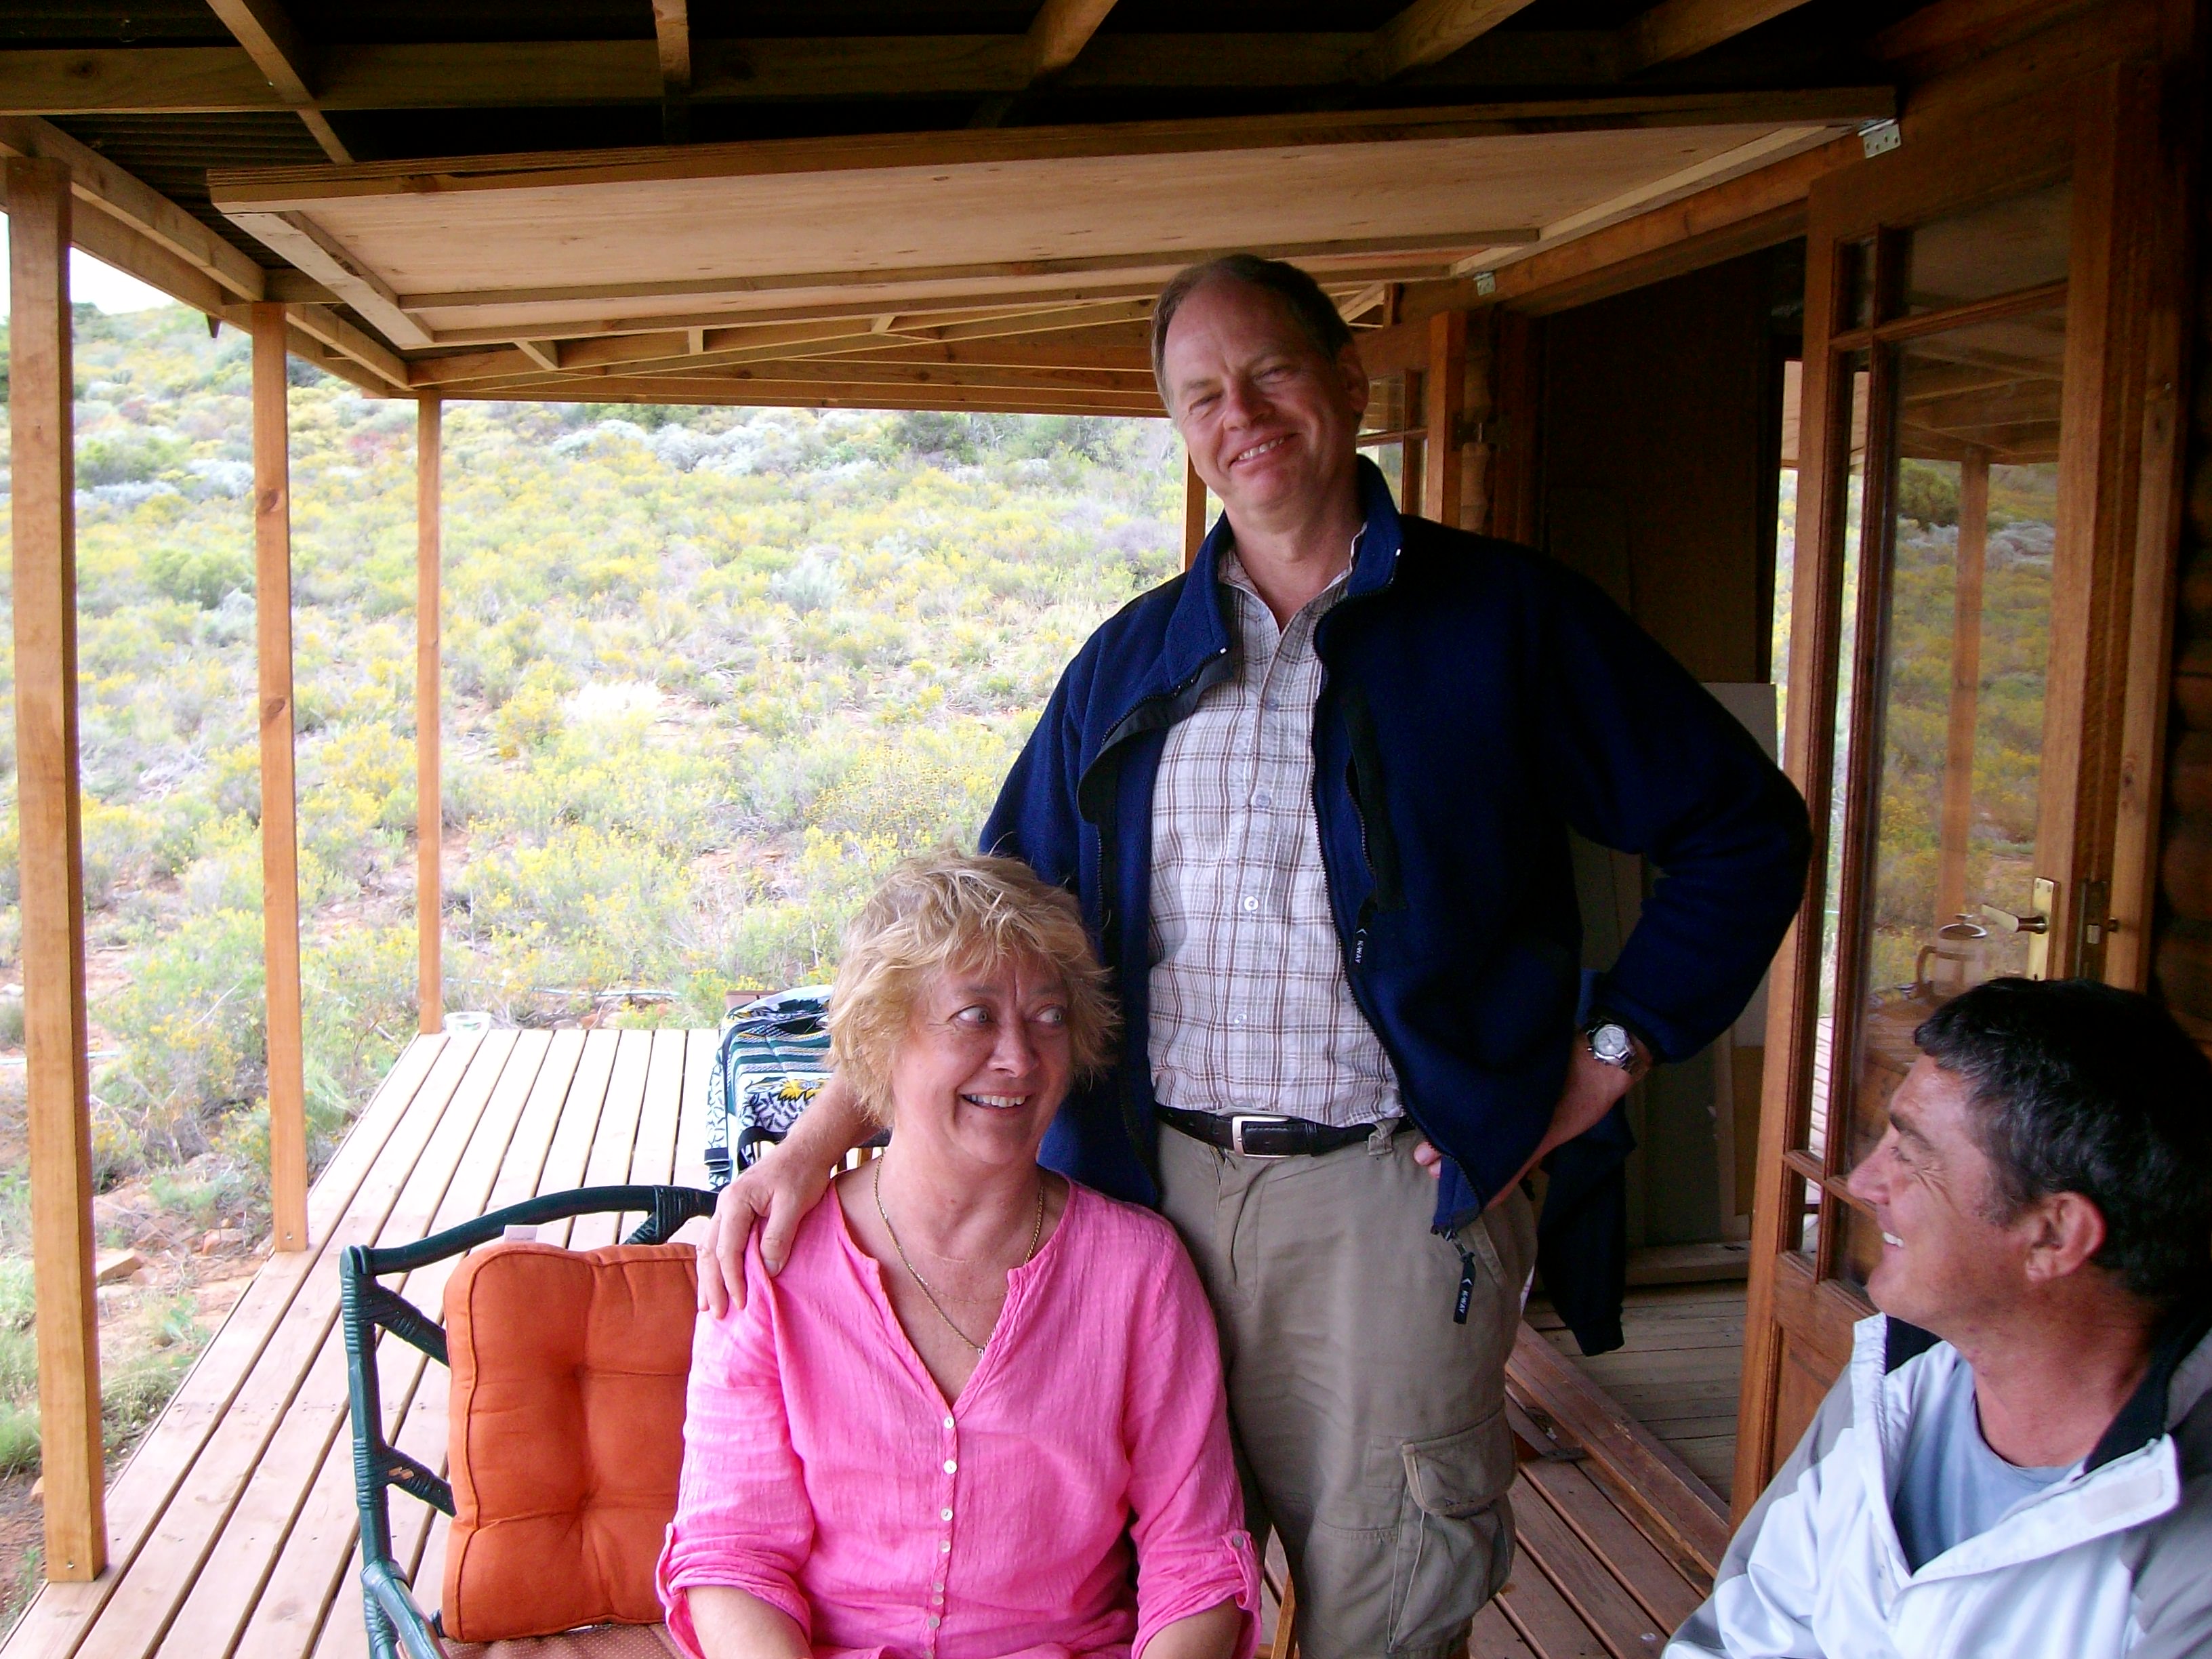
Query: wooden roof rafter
{"x": 142, "y": 232}
{"x": 672, "y": 40}
{"x": 265, "y": 33}
{"x": 855, "y": 248}
{"x": 1430, "y": 42}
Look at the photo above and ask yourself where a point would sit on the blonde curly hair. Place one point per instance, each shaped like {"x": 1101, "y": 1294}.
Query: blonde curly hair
{"x": 945, "y": 911}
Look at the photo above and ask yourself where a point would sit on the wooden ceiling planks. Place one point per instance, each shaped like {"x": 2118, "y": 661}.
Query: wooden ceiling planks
{"x": 436, "y": 253}
{"x": 563, "y": 266}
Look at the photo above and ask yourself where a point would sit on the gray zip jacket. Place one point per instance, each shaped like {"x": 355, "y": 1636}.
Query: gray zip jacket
{"x": 2114, "y": 1557}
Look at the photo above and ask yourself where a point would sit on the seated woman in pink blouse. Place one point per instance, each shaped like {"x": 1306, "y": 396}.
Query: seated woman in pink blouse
{"x": 980, "y": 1413}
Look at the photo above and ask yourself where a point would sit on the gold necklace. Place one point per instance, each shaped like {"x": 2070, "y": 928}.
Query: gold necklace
{"x": 1036, "y": 1236}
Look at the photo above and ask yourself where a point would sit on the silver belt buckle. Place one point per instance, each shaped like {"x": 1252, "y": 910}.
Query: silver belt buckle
{"x": 1236, "y": 1123}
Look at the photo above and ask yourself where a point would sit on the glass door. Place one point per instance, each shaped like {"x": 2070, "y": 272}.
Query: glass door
{"x": 1946, "y": 602}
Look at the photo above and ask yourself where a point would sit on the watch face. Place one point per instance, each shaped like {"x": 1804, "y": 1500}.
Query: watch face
{"x": 1610, "y": 1043}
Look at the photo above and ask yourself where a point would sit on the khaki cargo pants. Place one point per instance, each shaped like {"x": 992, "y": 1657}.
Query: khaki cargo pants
{"x": 1371, "y": 1428}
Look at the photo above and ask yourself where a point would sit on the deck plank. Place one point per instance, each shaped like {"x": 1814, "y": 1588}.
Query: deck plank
{"x": 1494, "y": 1638}
{"x": 228, "y": 1589}
{"x": 1541, "y": 1616}
{"x": 289, "y": 1614}
{"x": 1598, "y": 1599}
{"x": 1666, "y": 1593}
{"x": 281, "y": 1352}
{"x": 613, "y": 1114}
{"x": 652, "y": 1156}
{"x": 147, "y": 1599}
{"x": 691, "y": 1128}
{"x": 579, "y": 1124}
{"x": 53, "y": 1625}
{"x": 545, "y": 1155}
{"x": 615, "y": 1140}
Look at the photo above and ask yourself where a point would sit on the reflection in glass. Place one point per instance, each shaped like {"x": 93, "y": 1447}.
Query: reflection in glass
{"x": 1391, "y": 458}
{"x": 1801, "y": 1227}
{"x": 1858, "y": 284}
{"x": 1997, "y": 249}
{"x": 1858, "y": 1241}
{"x": 1966, "y": 639}
{"x": 1852, "y": 382}
{"x": 1386, "y": 405}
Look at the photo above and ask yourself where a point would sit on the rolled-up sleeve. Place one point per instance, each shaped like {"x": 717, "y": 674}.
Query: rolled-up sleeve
{"x": 1188, "y": 1508}
{"x": 742, "y": 1520}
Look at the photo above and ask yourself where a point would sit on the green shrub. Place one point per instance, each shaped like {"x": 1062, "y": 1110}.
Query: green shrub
{"x": 127, "y": 457}
{"x": 190, "y": 1021}
{"x": 1928, "y": 491}
{"x": 19, "y": 1436}
{"x": 203, "y": 576}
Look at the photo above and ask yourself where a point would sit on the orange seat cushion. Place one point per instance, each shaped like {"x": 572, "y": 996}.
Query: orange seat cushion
{"x": 567, "y": 1415}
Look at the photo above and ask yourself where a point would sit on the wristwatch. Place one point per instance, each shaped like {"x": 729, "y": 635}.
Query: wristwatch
{"x": 1611, "y": 1043}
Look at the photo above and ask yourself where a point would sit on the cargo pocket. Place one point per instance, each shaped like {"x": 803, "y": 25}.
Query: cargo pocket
{"x": 1455, "y": 1543}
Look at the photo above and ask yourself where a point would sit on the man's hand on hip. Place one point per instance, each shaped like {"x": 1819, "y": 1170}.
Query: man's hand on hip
{"x": 775, "y": 1194}
{"x": 1592, "y": 1089}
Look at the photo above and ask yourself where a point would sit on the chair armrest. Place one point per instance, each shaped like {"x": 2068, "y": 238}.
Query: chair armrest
{"x": 389, "y": 1595}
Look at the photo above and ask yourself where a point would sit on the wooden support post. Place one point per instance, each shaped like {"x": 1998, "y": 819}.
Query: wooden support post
{"x": 1516, "y": 393}
{"x": 280, "y": 844}
{"x": 58, "y": 1086}
{"x": 1956, "y": 826}
{"x": 429, "y": 800}
{"x": 1194, "y": 513}
{"x": 1443, "y": 385}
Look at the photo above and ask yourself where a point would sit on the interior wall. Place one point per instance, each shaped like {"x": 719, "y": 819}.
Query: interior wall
{"x": 1657, "y": 439}
{"x": 1657, "y": 456}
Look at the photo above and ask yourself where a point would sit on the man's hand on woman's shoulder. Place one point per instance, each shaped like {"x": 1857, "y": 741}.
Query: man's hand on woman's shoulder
{"x": 775, "y": 1194}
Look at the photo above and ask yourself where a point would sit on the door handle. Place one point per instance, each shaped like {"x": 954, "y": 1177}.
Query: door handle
{"x": 2036, "y": 924}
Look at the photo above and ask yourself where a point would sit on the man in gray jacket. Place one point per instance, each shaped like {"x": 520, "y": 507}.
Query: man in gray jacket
{"x": 2018, "y": 1460}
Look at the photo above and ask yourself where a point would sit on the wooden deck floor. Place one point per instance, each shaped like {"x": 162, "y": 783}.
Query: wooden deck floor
{"x": 1678, "y": 1372}
{"x": 231, "y": 1529}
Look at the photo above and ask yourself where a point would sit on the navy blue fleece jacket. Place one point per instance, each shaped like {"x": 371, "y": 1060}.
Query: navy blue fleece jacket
{"x": 1479, "y": 700}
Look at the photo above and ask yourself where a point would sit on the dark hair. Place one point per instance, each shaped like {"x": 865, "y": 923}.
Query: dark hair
{"x": 1313, "y": 311}
{"x": 2084, "y": 1088}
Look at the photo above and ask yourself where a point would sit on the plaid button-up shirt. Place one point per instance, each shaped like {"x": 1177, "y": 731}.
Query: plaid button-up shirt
{"x": 1250, "y": 1008}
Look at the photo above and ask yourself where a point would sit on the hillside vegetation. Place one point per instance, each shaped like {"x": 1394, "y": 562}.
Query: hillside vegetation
{"x": 707, "y": 672}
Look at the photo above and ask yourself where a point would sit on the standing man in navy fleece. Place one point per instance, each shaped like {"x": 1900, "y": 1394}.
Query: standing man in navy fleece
{"x": 1314, "y": 796}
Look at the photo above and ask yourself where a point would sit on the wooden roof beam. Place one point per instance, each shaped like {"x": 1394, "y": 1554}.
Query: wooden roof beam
{"x": 265, "y": 32}
{"x": 490, "y": 75}
{"x": 1683, "y": 28}
{"x": 322, "y": 257}
{"x": 671, "y": 35}
{"x": 1059, "y": 32}
{"x": 917, "y": 316}
{"x": 97, "y": 182}
{"x": 784, "y": 394}
{"x": 1428, "y": 31}
{"x": 284, "y": 231}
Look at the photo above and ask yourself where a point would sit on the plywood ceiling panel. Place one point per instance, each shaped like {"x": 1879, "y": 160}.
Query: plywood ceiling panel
{"x": 617, "y": 237}
{"x": 992, "y": 212}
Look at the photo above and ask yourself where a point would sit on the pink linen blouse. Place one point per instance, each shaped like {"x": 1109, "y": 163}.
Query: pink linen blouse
{"x": 824, "y": 1473}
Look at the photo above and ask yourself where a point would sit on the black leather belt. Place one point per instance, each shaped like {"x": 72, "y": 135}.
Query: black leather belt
{"x": 1262, "y": 1135}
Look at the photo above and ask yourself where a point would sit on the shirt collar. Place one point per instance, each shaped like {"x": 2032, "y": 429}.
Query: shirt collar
{"x": 1231, "y": 573}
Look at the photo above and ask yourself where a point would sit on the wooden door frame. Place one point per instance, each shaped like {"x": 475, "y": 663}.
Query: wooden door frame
{"x": 2104, "y": 131}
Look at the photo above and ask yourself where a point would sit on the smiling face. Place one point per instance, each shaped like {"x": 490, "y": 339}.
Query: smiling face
{"x": 1947, "y": 1264}
{"x": 1268, "y": 419}
{"x": 985, "y": 1064}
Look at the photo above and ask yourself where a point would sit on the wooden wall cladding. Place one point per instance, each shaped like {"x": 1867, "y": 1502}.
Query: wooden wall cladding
{"x": 2181, "y": 969}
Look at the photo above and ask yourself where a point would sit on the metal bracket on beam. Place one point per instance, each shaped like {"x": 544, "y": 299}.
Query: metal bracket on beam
{"x": 1879, "y": 137}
